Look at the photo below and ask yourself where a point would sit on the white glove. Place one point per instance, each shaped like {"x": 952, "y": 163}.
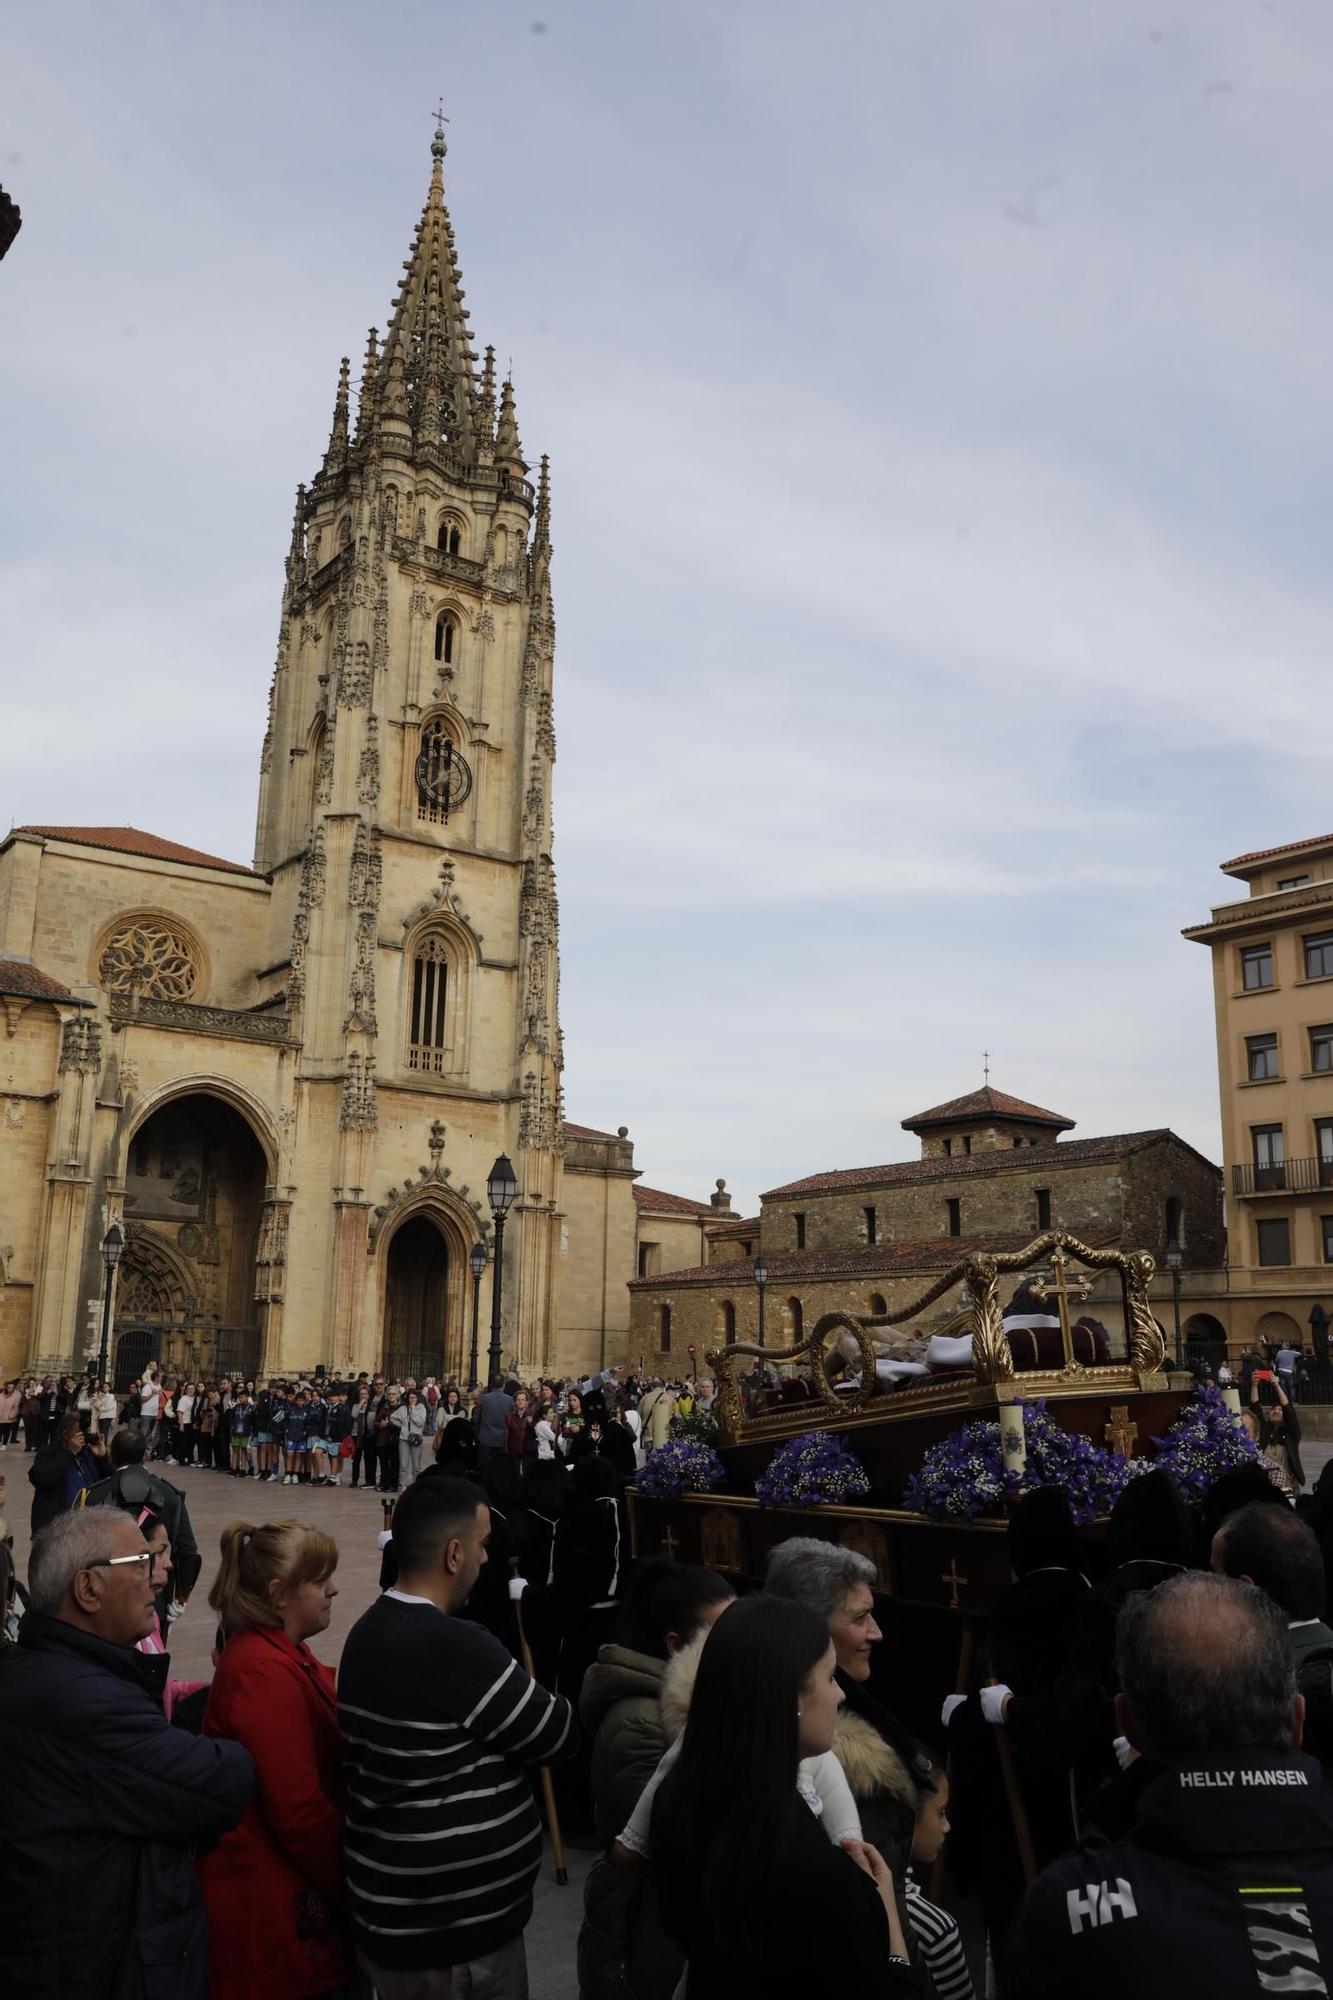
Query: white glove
{"x": 1125, "y": 1753}
{"x": 951, "y": 1702}
{"x": 174, "y": 1610}
{"x": 993, "y": 1701}
{"x": 517, "y": 1586}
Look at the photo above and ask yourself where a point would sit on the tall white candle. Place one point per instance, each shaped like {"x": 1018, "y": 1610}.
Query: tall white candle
{"x": 1231, "y": 1397}
{"x": 1013, "y": 1438}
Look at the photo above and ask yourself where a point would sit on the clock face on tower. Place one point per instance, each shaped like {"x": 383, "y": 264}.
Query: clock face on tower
{"x": 444, "y": 777}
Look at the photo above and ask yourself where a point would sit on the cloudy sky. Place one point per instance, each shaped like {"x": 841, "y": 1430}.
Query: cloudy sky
{"x": 937, "y": 396}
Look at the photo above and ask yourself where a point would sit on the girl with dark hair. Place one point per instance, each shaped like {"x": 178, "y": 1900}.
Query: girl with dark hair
{"x": 738, "y": 1858}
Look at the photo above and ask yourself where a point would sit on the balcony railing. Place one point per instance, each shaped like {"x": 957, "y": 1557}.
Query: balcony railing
{"x": 1286, "y": 1177}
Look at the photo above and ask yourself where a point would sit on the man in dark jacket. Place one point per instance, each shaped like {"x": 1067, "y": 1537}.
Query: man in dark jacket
{"x": 102, "y": 1802}
{"x": 63, "y": 1469}
{"x": 1224, "y": 1885}
{"x": 127, "y": 1449}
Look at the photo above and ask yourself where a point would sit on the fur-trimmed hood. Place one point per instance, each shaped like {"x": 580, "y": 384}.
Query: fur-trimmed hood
{"x": 870, "y": 1765}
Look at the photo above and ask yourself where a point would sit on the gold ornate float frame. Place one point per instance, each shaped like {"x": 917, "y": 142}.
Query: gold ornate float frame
{"x": 992, "y": 1361}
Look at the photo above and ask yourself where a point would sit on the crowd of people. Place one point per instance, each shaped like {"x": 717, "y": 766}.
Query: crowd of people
{"x": 361, "y": 1430}
{"x": 1127, "y": 1768}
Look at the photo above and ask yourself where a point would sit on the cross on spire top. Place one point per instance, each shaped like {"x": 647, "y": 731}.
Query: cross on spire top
{"x": 985, "y": 1064}
{"x": 437, "y": 149}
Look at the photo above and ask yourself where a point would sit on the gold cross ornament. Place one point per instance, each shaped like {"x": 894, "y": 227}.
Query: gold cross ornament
{"x": 1120, "y": 1433}
{"x": 1062, "y": 1286}
{"x": 952, "y": 1578}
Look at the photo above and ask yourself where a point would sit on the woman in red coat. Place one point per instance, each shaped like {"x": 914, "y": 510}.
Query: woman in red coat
{"x": 274, "y": 1884}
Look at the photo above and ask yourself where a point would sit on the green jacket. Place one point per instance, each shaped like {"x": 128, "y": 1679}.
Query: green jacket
{"x": 618, "y": 1707}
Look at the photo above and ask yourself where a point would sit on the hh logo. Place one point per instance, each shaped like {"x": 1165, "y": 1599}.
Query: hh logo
{"x": 1100, "y": 1904}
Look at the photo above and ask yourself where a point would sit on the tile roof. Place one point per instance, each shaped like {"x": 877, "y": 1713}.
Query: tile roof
{"x": 736, "y": 1225}
{"x": 978, "y": 1103}
{"x": 130, "y": 840}
{"x": 1004, "y": 1160}
{"x": 573, "y": 1131}
{"x": 886, "y": 1260}
{"x": 1271, "y": 853}
{"x": 669, "y": 1204}
{"x": 18, "y": 977}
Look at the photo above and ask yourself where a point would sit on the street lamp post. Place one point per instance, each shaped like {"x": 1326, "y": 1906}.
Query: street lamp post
{"x": 501, "y": 1190}
{"x": 112, "y": 1246}
{"x": 476, "y": 1264}
{"x": 761, "y": 1279}
{"x": 1174, "y": 1260}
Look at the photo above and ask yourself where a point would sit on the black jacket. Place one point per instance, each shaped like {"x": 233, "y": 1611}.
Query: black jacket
{"x": 169, "y": 1502}
{"x": 102, "y": 1804}
{"x": 1227, "y": 1875}
{"x": 48, "y": 1475}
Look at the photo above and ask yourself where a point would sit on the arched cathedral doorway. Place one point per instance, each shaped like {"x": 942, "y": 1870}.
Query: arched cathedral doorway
{"x": 417, "y": 1335}
{"x": 194, "y": 1198}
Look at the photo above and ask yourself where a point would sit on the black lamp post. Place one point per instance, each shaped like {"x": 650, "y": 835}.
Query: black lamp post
{"x": 761, "y": 1279}
{"x": 476, "y": 1264}
{"x": 501, "y": 1190}
{"x": 1174, "y": 1260}
{"x": 113, "y": 1246}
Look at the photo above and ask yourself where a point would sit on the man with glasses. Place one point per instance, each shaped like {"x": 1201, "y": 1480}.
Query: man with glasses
{"x": 102, "y": 1802}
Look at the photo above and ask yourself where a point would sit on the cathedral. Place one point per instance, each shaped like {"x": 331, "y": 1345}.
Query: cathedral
{"x": 289, "y": 1082}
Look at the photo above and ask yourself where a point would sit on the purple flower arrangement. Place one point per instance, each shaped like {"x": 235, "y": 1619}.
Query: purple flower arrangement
{"x": 963, "y": 1476}
{"x": 1204, "y": 1442}
{"x": 810, "y": 1470}
{"x": 681, "y": 1465}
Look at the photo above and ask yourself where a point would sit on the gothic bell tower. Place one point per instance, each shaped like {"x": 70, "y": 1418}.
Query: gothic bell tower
{"x": 405, "y": 821}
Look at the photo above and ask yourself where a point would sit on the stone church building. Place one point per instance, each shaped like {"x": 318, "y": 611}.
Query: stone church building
{"x": 289, "y": 1081}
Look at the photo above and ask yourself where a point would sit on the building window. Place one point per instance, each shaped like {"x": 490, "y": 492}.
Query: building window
{"x": 1321, "y": 1048}
{"x": 728, "y": 1321}
{"x": 427, "y": 1040}
{"x": 947, "y": 1144}
{"x": 1323, "y": 1150}
{"x": 643, "y": 1260}
{"x": 446, "y": 631}
{"x": 664, "y": 1329}
{"x": 954, "y": 1208}
{"x": 794, "y": 1315}
{"x": 1270, "y": 1157}
{"x": 876, "y": 1303}
{"x": 1174, "y": 1220}
{"x": 1043, "y": 1208}
{"x": 1261, "y": 1057}
{"x": 1274, "y": 1239}
{"x": 443, "y": 775}
{"x": 1017, "y": 1144}
{"x": 1319, "y": 955}
{"x": 449, "y": 539}
{"x": 799, "y": 1221}
{"x": 1326, "y": 1231}
{"x": 1256, "y": 967}
{"x": 1293, "y": 882}
{"x": 870, "y": 1226}
{"x": 967, "y": 1142}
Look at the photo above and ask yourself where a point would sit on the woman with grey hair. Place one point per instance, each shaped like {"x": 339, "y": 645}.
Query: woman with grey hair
{"x": 883, "y": 1763}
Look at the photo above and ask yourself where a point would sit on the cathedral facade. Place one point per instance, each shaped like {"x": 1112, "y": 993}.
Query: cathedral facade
{"x": 289, "y": 1082}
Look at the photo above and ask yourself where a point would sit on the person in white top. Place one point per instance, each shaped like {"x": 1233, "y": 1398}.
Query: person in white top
{"x": 150, "y": 1404}
{"x": 544, "y": 1432}
{"x": 104, "y": 1409}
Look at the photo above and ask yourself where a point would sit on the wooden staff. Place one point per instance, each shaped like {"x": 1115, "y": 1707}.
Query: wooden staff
{"x": 966, "y": 1654}
{"x": 543, "y": 1770}
{"x": 1017, "y": 1811}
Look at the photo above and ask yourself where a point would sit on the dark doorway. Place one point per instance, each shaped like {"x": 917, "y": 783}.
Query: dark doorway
{"x": 416, "y": 1305}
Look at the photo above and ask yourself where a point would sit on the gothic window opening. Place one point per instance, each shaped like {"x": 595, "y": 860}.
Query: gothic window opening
{"x": 446, "y": 633}
{"x": 428, "y": 1038}
{"x": 443, "y": 775}
{"x": 449, "y": 540}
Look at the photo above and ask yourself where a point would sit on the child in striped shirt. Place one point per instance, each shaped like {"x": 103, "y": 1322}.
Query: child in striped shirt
{"x": 933, "y": 1930}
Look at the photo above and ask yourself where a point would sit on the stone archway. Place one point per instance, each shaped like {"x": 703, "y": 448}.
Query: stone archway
{"x": 195, "y": 1181}
{"x": 1204, "y": 1339}
{"x": 417, "y": 1334}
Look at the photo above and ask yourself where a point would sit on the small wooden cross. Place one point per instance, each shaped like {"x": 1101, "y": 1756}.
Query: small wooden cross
{"x": 668, "y": 1543}
{"x": 952, "y": 1578}
{"x": 1120, "y": 1433}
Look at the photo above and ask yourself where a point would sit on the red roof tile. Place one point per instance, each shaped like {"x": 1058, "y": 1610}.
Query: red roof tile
{"x": 1004, "y": 1160}
{"x": 18, "y": 977}
{"x": 980, "y": 1103}
{"x": 886, "y": 1260}
{"x": 573, "y": 1131}
{"x": 129, "y": 840}
{"x": 670, "y": 1204}
{"x": 1272, "y": 853}
{"x": 736, "y": 1225}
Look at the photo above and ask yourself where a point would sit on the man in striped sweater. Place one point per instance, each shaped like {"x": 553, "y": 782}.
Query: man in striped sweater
{"x": 443, "y": 1839}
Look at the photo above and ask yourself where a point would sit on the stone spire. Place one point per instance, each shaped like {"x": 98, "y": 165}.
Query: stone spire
{"x": 542, "y": 528}
{"x": 296, "y": 553}
{"x": 367, "y": 408}
{"x": 335, "y": 458}
{"x": 486, "y": 397}
{"x": 425, "y": 366}
{"x": 508, "y": 447}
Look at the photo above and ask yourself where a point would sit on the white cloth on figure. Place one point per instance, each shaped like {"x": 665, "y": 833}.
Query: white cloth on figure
{"x": 949, "y": 1351}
